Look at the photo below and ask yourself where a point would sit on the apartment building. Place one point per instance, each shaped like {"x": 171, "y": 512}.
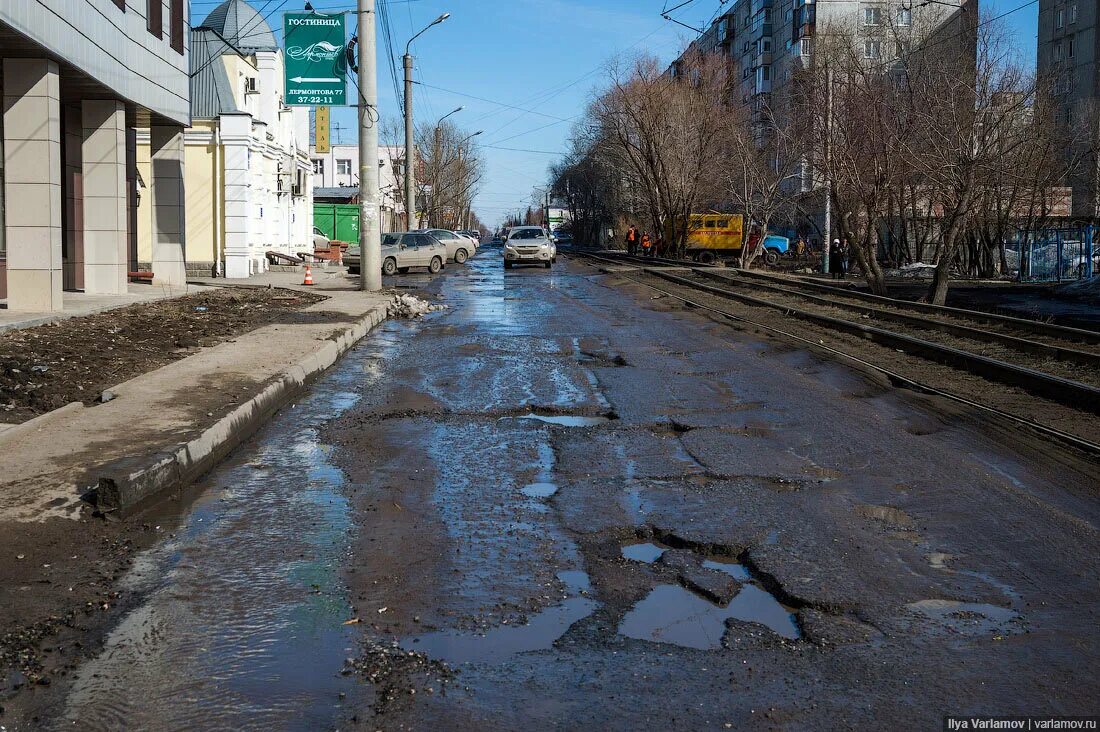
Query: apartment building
{"x": 1067, "y": 55}
{"x": 78, "y": 78}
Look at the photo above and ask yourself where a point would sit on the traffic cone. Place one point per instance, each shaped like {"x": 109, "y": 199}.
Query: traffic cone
{"x": 309, "y": 275}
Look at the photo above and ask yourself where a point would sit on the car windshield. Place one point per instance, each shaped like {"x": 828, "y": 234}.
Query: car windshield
{"x": 527, "y": 234}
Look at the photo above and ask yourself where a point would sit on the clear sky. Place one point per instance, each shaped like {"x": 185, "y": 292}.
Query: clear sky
{"x": 543, "y": 56}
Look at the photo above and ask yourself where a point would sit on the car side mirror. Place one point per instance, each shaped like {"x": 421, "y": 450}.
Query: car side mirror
{"x": 402, "y": 246}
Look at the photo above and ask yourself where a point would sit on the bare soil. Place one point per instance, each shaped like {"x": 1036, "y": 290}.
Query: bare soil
{"x": 74, "y": 360}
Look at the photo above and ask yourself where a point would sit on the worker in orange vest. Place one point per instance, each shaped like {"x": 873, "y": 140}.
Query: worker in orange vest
{"x": 632, "y": 240}
{"x": 647, "y": 245}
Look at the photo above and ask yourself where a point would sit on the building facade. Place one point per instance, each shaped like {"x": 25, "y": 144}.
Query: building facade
{"x": 339, "y": 168}
{"x": 1067, "y": 56}
{"x": 78, "y": 77}
{"x": 248, "y": 171}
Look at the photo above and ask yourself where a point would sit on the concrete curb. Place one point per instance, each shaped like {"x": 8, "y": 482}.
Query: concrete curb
{"x": 40, "y": 422}
{"x": 129, "y": 485}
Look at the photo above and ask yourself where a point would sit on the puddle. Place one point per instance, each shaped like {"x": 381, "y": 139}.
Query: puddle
{"x": 673, "y": 614}
{"x": 498, "y": 644}
{"x": 647, "y": 552}
{"x": 539, "y": 490}
{"x": 970, "y": 616}
{"x": 733, "y": 569}
{"x": 567, "y": 420}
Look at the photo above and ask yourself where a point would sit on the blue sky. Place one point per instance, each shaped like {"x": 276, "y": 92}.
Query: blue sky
{"x": 544, "y": 56}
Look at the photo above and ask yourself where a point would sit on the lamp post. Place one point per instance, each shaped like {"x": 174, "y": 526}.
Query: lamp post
{"x": 410, "y": 148}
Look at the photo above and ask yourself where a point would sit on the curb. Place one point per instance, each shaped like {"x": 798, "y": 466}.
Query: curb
{"x": 40, "y": 422}
{"x": 128, "y": 485}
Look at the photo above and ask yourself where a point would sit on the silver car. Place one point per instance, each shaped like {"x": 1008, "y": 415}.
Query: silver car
{"x": 529, "y": 245}
{"x": 459, "y": 248}
{"x": 402, "y": 251}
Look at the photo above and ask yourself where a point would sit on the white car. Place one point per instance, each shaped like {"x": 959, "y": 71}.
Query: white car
{"x": 459, "y": 247}
{"x": 529, "y": 245}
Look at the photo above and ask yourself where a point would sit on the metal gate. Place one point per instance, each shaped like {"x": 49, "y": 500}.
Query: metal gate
{"x": 1054, "y": 255}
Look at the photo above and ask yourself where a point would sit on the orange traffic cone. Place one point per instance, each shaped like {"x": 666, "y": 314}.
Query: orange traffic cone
{"x": 309, "y": 275}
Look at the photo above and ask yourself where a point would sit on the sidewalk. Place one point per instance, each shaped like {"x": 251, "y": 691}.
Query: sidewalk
{"x": 166, "y": 427}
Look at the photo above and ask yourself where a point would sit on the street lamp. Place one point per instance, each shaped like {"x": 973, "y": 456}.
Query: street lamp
{"x": 410, "y": 148}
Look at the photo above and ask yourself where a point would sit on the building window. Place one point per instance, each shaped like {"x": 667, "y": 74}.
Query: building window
{"x": 905, "y": 16}
{"x": 1073, "y": 13}
{"x": 154, "y": 17}
{"x": 1059, "y": 18}
{"x": 1056, "y": 52}
{"x": 872, "y": 49}
{"x": 1069, "y": 47}
{"x": 318, "y": 167}
{"x": 177, "y": 26}
{"x": 343, "y": 167}
{"x": 872, "y": 16}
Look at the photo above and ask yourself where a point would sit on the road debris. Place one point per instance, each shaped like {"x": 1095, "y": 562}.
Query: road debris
{"x": 411, "y": 306}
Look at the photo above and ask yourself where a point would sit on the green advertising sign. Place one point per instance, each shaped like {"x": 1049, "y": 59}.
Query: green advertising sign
{"x": 315, "y": 69}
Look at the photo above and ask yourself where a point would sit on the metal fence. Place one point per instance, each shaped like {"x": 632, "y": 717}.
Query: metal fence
{"x": 1054, "y": 255}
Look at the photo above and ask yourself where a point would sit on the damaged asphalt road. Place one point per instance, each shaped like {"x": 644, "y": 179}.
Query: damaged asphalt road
{"x": 562, "y": 503}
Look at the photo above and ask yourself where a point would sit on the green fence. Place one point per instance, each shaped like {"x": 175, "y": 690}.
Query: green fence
{"x": 338, "y": 221}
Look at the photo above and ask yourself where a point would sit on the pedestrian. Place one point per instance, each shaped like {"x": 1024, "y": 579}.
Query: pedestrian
{"x": 647, "y": 245}
{"x": 844, "y": 252}
{"x": 800, "y": 247}
{"x": 632, "y": 240}
{"x": 833, "y": 254}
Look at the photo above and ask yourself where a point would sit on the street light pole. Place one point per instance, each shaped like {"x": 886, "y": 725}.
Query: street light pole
{"x": 370, "y": 245}
{"x": 410, "y": 147}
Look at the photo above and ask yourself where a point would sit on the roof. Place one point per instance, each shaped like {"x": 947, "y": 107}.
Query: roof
{"x": 211, "y": 91}
{"x": 340, "y": 193}
{"x": 242, "y": 25}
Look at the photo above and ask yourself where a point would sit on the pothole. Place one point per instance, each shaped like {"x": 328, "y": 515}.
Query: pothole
{"x": 539, "y": 490}
{"x": 567, "y": 420}
{"x": 695, "y": 612}
{"x": 971, "y": 618}
{"x": 496, "y": 645}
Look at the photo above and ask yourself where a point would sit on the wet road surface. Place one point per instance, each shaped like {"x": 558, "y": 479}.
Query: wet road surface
{"x": 564, "y": 504}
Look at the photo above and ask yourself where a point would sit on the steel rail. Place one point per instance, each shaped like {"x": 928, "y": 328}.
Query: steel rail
{"x": 963, "y": 331}
{"x": 897, "y": 379}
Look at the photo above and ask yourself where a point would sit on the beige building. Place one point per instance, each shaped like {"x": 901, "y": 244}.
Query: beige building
{"x": 249, "y": 189}
{"x": 78, "y": 77}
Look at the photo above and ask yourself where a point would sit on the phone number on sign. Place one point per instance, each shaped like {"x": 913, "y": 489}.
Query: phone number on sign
{"x": 329, "y": 99}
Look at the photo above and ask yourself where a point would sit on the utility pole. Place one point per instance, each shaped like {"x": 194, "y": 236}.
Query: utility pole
{"x": 410, "y": 148}
{"x": 828, "y": 174}
{"x": 370, "y": 244}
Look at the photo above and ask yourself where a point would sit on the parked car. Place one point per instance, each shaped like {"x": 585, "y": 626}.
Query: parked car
{"x": 459, "y": 248}
{"x": 403, "y": 250}
{"x": 320, "y": 241}
{"x": 529, "y": 245}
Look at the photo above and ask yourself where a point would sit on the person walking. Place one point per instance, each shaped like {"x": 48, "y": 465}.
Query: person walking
{"x": 632, "y": 240}
{"x": 844, "y": 251}
{"x": 833, "y": 253}
{"x": 647, "y": 245}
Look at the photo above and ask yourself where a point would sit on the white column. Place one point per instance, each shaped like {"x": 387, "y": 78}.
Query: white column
{"x": 103, "y": 170}
{"x": 169, "y": 235}
{"x": 32, "y": 183}
{"x": 235, "y": 132}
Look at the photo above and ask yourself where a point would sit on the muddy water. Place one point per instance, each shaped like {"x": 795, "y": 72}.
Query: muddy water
{"x": 243, "y": 625}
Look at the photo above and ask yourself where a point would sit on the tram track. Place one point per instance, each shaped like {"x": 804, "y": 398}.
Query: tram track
{"x": 1067, "y": 394}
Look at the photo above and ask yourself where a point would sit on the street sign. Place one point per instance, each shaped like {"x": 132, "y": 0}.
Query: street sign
{"x": 315, "y": 67}
{"x": 321, "y": 136}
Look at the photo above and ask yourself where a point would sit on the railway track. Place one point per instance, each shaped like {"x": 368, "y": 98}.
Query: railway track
{"x": 1042, "y": 363}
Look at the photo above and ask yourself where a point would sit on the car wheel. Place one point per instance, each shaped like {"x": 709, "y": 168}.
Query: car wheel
{"x": 389, "y": 267}
{"x": 403, "y": 270}
{"x": 461, "y": 256}
{"x": 771, "y": 257}
{"x": 353, "y": 270}
{"x": 706, "y": 257}
{"x": 436, "y": 265}
{"x": 507, "y": 264}
{"x": 547, "y": 265}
